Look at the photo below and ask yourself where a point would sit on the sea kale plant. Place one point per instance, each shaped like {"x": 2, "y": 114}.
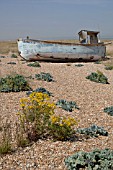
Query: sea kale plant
{"x": 98, "y": 77}
{"x": 97, "y": 62}
{"x": 95, "y": 160}
{"x": 44, "y": 76}
{"x": 34, "y": 64}
{"x": 93, "y": 131}
{"x": 38, "y": 119}
{"x": 109, "y": 67}
{"x": 109, "y": 110}
{"x": 2, "y": 56}
{"x": 14, "y": 83}
{"x": 42, "y": 90}
{"x": 67, "y": 105}
{"x": 11, "y": 62}
{"x": 13, "y": 56}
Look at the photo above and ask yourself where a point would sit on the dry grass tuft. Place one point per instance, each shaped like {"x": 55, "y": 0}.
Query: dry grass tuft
{"x": 8, "y": 46}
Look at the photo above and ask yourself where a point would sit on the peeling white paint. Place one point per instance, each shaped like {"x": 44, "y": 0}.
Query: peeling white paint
{"x": 29, "y": 49}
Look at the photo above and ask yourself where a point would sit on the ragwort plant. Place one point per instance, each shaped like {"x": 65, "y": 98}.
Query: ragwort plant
{"x": 37, "y": 118}
{"x": 6, "y": 138}
{"x": 21, "y": 138}
{"x": 35, "y": 114}
{"x": 61, "y": 127}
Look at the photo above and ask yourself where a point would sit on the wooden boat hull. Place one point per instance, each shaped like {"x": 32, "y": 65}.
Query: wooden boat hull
{"x": 56, "y": 51}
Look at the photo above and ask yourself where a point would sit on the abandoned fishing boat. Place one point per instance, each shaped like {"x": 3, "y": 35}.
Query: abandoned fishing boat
{"x": 88, "y": 48}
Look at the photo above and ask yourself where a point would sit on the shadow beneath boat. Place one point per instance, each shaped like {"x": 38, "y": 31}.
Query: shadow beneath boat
{"x": 72, "y": 61}
{"x": 80, "y": 60}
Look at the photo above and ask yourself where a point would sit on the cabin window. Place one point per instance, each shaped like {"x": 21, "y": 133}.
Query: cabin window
{"x": 93, "y": 39}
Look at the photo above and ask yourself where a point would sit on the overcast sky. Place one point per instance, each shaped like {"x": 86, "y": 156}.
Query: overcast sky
{"x": 54, "y": 19}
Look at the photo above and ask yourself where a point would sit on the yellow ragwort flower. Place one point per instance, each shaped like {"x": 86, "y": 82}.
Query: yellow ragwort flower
{"x": 22, "y": 105}
{"x": 55, "y": 119}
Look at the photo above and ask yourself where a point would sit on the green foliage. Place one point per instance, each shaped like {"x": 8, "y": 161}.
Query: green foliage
{"x": 5, "y": 141}
{"x": 93, "y": 131}
{"x": 11, "y": 62}
{"x": 34, "y": 64}
{"x": 21, "y": 139}
{"x": 5, "y": 147}
{"x": 38, "y": 119}
{"x": 98, "y": 77}
{"x": 2, "y": 57}
{"x": 61, "y": 128}
{"x": 13, "y": 56}
{"x": 68, "y": 106}
{"x": 42, "y": 90}
{"x": 79, "y": 65}
{"x": 109, "y": 110}
{"x": 44, "y": 76}
{"x": 97, "y": 62}
{"x": 22, "y": 142}
{"x": 14, "y": 83}
{"x": 95, "y": 160}
{"x": 35, "y": 115}
{"x": 110, "y": 67}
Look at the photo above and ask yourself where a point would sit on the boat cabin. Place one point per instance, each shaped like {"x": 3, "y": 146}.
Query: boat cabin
{"x": 88, "y": 37}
